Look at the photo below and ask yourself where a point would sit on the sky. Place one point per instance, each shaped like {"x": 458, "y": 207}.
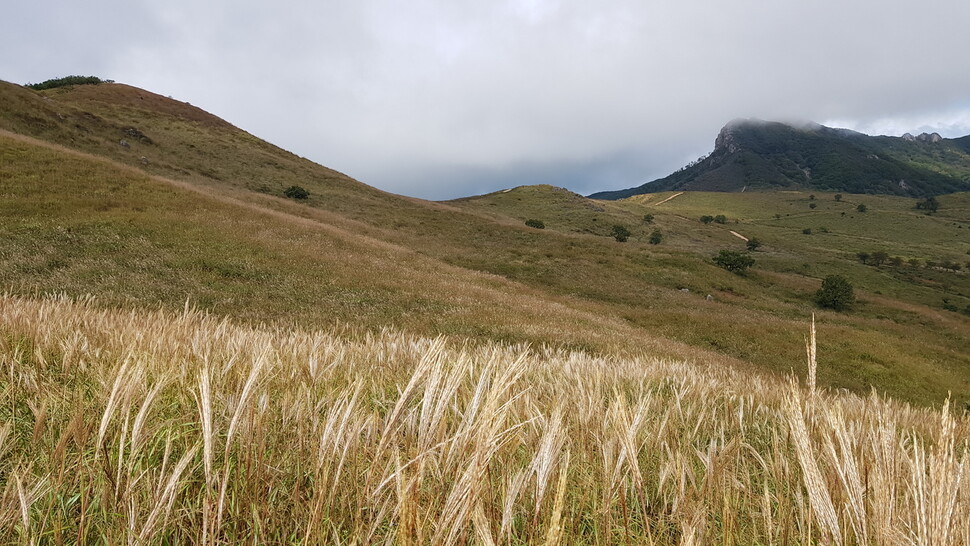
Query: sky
{"x": 447, "y": 98}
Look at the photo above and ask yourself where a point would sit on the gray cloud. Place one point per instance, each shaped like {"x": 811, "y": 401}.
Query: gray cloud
{"x": 446, "y": 98}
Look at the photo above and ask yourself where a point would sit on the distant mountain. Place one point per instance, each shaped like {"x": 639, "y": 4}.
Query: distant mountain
{"x": 757, "y": 154}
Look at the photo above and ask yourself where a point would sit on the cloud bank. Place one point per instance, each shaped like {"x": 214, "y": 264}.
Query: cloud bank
{"x": 441, "y": 99}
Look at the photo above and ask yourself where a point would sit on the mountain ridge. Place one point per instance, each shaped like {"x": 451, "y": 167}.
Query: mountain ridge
{"x": 758, "y": 154}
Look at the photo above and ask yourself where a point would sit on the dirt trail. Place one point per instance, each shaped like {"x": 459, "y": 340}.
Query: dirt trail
{"x": 669, "y": 198}
{"x": 738, "y": 235}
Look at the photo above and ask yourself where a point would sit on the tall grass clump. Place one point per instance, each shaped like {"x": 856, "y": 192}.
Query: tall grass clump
{"x": 159, "y": 427}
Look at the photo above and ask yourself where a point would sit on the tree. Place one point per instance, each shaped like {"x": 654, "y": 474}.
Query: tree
{"x": 620, "y": 233}
{"x": 647, "y": 218}
{"x": 930, "y": 204}
{"x": 807, "y": 231}
{"x": 538, "y": 224}
{"x": 878, "y": 258}
{"x": 896, "y": 261}
{"x": 838, "y": 197}
{"x": 863, "y": 257}
{"x": 861, "y": 208}
{"x": 836, "y": 293}
{"x": 812, "y": 205}
{"x": 296, "y": 192}
{"x": 720, "y": 219}
{"x": 656, "y": 237}
{"x": 733, "y": 261}
{"x": 707, "y": 219}
{"x": 811, "y": 197}
{"x": 753, "y": 244}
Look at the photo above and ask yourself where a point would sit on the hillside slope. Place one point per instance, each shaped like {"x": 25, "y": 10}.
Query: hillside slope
{"x": 754, "y": 154}
{"x": 202, "y": 218}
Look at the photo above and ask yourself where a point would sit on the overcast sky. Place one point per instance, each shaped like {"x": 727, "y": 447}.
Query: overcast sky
{"x": 446, "y": 98}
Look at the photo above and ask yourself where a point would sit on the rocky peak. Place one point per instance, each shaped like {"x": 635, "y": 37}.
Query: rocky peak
{"x": 932, "y": 138}
{"x": 726, "y": 140}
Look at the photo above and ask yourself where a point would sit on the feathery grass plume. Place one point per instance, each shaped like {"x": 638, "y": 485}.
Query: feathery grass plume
{"x": 812, "y": 365}
{"x": 180, "y": 427}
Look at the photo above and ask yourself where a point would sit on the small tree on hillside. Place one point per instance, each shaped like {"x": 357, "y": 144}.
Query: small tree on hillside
{"x": 538, "y": 224}
{"x": 647, "y": 218}
{"x": 720, "y": 219}
{"x": 707, "y": 219}
{"x": 753, "y": 244}
{"x": 296, "y": 192}
{"x": 733, "y": 261}
{"x": 930, "y": 205}
{"x": 836, "y": 293}
{"x": 620, "y": 233}
{"x": 862, "y": 208}
{"x": 656, "y": 237}
{"x": 878, "y": 258}
{"x": 838, "y": 197}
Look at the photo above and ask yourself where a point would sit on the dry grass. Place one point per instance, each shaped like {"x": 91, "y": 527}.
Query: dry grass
{"x": 159, "y": 427}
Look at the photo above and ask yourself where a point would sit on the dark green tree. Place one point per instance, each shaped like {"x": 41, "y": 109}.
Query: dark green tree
{"x": 836, "y": 293}
{"x": 733, "y": 261}
{"x": 647, "y": 218}
{"x": 838, "y": 197}
{"x": 538, "y": 224}
{"x": 620, "y": 233}
{"x": 930, "y": 205}
{"x": 707, "y": 219}
{"x": 862, "y": 208}
{"x": 878, "y": 258}
{"x": 296, "y": 192}
{"x": 720, "y": 219}
{"x": 753, "y": 244}
{"x": 656, "y": 237}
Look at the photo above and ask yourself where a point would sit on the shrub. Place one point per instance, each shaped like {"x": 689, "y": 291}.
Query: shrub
{"x": 878, "y": 258}
{"x": 620, "y": 233}
{"x": 838, "y": 197}
{"x": 753, "y": 244}
{"x": 811, "y": 197}
{"x": 812, "y": 205}
{"x": 807, "y": 231}
{"x": 930, "y": 205}
{"x": 707, "y": 219}
{"x": 836, "y": 293}
{"x": 733, "y": 261}
{"x": 863, "y": 257}
{"x": 720, "y": 219}
{"x": 647, "y": 218}
{"x": 532, "y": 223}
{"x": 63, "y": 82}
{"x": 656, "y": 237}
{"x": 861, "y": 208}
{"x": 296, "y": 192}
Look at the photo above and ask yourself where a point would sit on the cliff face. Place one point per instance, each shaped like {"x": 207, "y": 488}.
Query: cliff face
{"x": 756, "y": 154}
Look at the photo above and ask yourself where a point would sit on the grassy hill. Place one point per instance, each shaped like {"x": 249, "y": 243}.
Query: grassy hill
{"x": 191, "y": 356}
{"x": 202, "y": 218}
{"x": 756, "y": 155}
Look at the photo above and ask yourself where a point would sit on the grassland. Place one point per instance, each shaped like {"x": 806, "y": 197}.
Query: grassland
{"x": 187, "y": 356}
{"x": 161, "y": 427}
{"x": 212, "y": 228}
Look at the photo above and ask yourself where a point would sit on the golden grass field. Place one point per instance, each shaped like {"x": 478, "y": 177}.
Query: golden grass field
{"x": 173, "y": 427}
